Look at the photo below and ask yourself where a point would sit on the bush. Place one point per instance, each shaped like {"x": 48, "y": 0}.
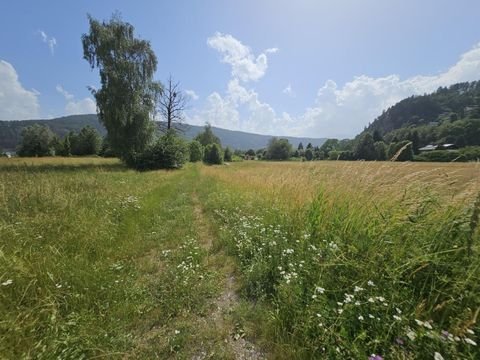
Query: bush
{"x": 471, "y": 153}
{"x": 213, "y": 154}
{"x": 168, "y": 152}
{"x": 227, "y": 155}
{"x": 441, "y": 156}
{"x": 196, "y": 151}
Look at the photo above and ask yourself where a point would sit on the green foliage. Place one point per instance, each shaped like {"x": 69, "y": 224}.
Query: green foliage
{"x": 401, "y": 151}
{"x": 196, "y": 151}
{"x": 207, "y": 137}
{"x": 106, "y": 150}
{"x": 471, "y": 153}
{"x": 168, "y": 152}
{"x": 127, "y": 97}
{"x": 86, "y": 142}
{"x": 329, "y": 145}
{"x": 442, "y": 156}
{"x": 36, "y": 141}
{"x": 250, "y": 152}
{"x": 278, "y": 149}
{"x": 365, "y": 149}
{"x": 213, "y": 154}
{"x": 380, "y": 151}
{"x": 227, "y": 155}
{"x": 309, "y": 154}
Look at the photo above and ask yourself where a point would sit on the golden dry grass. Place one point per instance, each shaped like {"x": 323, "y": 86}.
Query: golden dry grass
{"x": 298, "y": 183}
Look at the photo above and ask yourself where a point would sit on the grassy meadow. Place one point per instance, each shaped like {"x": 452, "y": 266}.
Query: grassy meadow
{"x": 334, "y": 260}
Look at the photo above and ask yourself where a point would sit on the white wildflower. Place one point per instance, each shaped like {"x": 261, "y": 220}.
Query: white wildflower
{"x": 8, "y": 282}
{"x": 358, "y": 289}
{"x": 361, "y": 318}
{"x": 396, "y": 317}
{"x": 437, "y": 356}
{"x": 411, "y": 334}
{"x": 470, "y": 341}
{"x": 370, "y": 283}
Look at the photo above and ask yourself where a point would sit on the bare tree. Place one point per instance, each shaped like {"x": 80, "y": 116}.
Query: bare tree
{"x": 172, "y": 103}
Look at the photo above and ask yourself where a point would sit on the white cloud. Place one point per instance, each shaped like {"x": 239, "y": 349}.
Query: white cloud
{"x": 64, "y": 92}
{"x": 244, "y": 64}
{"x": 50, "y": 41}
{"x": 338, "y": 111}
{"x": 77, "y": 107}
{"x": 84, "y": 106}
{"x": 192, "y": 94}
{"x": 16, "y": 103}
{"x": 272, "y": 50}
{"x": 289, "y": 91}
{"x": 344, "y": 111}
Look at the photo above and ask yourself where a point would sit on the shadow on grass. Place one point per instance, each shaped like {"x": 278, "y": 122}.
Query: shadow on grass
{"x": 40, "y": 168}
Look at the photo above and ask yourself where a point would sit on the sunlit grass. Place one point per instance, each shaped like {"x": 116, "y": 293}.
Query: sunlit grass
{"x": 350, "y": 259}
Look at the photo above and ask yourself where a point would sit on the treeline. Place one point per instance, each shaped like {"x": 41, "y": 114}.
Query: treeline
{"x": 367, "y": 147}
{"x": 39, "y": 140}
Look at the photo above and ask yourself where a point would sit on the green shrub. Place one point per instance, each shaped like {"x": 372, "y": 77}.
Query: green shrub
{"x": 168, "y": 152}
{"x": 227, "y": 155}
{"x": 441, "y": 156}
{"x": 196, "y": 151}
{"x": 471, "y": 153}
{"x": 213, "y": 154}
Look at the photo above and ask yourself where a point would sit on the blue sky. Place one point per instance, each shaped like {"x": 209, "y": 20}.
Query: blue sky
{"x": 304, "y": 67}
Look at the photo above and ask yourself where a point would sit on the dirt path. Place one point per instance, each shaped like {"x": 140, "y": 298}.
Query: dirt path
{"x": 221, "y": 315}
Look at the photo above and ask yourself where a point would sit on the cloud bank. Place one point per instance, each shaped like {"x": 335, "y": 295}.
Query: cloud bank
{"x": 16, "y": 103}
{"x": 338, "y": 111}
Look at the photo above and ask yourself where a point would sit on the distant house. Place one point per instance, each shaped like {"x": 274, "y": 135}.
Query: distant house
{"x": 438, "y": 147}
{"x": 448, "y": 147}
{"x": 428, "y": 148}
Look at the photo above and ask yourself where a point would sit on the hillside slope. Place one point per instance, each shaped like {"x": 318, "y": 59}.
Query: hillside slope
{"x": 10, "y": 132}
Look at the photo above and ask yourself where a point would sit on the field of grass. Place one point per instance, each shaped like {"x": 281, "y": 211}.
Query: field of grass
{"x": 337, "y": 260}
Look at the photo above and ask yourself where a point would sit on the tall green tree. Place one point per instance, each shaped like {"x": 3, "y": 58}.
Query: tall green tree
{"x": 36, "y": 141}
{"x": 279, "y": 149}
{"x": 365, "y": 149}
{"x": 207, "y": 136}
{"x": 128, "y": 94}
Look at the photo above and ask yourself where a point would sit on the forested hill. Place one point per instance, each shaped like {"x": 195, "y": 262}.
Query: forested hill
{"x": 10, "y": 132}
{"x": 456, "y": 102}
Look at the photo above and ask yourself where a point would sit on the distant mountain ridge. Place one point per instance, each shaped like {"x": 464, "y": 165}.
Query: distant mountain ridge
{"x": 10, "y": 132}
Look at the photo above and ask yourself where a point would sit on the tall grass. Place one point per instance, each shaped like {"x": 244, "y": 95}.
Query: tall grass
{"x": 350, "y": 260}
{"x": 97, "y": 261}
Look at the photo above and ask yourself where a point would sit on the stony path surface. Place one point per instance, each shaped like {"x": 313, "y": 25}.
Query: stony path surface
{"x": 221, "y": 318}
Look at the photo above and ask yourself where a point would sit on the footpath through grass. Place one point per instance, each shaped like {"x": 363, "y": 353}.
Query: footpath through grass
{"x": 97, "y": 261}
